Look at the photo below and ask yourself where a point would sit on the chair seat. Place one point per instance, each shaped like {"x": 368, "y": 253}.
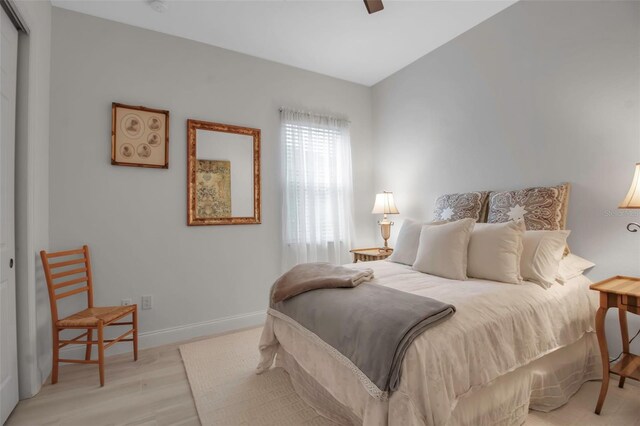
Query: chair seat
{"x": 91, "y": 317}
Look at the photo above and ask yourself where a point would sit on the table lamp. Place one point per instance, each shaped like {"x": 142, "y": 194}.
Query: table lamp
{"x": 632, "y": 200}
{"x": 385, "y": 205}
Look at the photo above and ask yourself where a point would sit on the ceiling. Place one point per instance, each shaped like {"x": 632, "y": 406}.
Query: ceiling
{"x": 335, "y": 38}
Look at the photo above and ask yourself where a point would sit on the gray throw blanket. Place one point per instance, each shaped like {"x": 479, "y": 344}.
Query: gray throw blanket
{"x": 371, "y": 325}
{"x": 312, "y": 276}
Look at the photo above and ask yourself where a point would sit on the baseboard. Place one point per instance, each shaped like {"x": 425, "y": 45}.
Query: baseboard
{"x": 150, "y": 339}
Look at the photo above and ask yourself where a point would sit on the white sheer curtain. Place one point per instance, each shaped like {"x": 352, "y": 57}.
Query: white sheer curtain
{"x": 318, "y": 188}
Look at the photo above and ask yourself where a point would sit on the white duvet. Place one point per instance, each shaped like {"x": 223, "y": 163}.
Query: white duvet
{"x": 497, "y": 328}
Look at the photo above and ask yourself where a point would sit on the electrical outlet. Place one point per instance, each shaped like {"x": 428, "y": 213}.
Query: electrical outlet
{"x": 147, "y": 302}
{"x": 126, "y": 302}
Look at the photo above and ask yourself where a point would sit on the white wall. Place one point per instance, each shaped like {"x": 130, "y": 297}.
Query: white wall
{"x": 541, "y": 93}
{"x": 134, "y": 219}
{"x": 32, "y": 199}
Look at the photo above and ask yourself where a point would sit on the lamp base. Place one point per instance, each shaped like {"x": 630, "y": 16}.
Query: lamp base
{"x": 385, "y": 231}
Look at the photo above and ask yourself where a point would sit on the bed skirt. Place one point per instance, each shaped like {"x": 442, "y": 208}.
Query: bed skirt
{"x": 543, "y": 385}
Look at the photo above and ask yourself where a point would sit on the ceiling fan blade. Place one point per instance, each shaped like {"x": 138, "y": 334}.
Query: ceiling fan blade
{"x": 373, "y": 6}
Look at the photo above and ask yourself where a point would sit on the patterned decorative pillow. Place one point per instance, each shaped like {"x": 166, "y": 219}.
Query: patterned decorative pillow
{"x": 452, "y": 207}
{"x": 542, "y": 208}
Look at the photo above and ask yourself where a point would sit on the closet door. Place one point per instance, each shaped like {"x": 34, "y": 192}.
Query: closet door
{"x": 8, "y": 343}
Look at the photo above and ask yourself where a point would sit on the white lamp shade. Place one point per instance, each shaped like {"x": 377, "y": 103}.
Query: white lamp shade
{"x": 632, "y": 200}
{"x": 384, "y": 204}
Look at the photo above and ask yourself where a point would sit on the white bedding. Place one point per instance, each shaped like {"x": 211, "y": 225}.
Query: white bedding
{"x": 497, "y": 328}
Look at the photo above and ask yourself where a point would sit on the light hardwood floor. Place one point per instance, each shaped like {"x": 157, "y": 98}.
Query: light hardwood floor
{"x": 155, "y": 391}
{"x": 152, "y": 391}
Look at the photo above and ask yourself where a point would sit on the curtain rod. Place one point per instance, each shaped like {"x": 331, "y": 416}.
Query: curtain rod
{"x": 317, "y": 114}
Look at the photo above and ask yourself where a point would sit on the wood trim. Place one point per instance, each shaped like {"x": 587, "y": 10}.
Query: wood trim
{"x": 87, "y": 258}
{"x": 93, "y": 342}
{"x": 44, "y": 257}
{"x": 619, "y": 285}
{"x": 119, "y": 338}
{"x": 192, "y": 127}
{"x": 79, "y": 361}
{"x": 627, "y": 366}
{"x": 67, "y": 273}
{"x": 63, "y": 253}
{"x": 115, "y": 105}
{"x": 370, "y": 254}
{"x": 63, "y": 343}
{"x": 381, "y": 250}
{"x": 66, "y": 263}
{"x": 71, "y": 282}
{"x": 565, "y": 205}
{"x": 72, "y": 292}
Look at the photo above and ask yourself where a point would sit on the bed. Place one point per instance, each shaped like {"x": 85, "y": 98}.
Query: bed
{"x": 507, "y": 349}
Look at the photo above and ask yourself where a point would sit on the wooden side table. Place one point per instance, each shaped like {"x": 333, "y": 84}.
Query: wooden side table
{"x": 622, "y": 293}
{"x": 369, "y": 254}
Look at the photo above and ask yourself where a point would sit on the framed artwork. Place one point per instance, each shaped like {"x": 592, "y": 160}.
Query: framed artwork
{"x": 223, "y": 174}
{"x": 139, "y": 136}
{"x": 213, "y": 181}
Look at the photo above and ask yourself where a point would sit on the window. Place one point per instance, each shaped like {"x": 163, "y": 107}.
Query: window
{"x": 317, "y": 214}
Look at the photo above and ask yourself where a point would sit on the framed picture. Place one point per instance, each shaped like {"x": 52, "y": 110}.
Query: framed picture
{"x": 223, "y": 174}
{"x": 139, "y": 136}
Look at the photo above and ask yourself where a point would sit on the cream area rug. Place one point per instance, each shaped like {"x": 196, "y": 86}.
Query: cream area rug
{"x": 227, "y": 392}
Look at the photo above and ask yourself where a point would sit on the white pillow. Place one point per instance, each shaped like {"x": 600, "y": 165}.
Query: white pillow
{"x": 407, "y": 244}
{"x": 495, "y": 250}
{"x": 406, "y": 247}
{"x": 443, "y": 249}
{"x": 571, "y": 266}
{"x": 541, "y": 255}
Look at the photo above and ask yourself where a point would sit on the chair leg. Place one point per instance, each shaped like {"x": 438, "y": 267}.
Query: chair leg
{"x": 101, "y": 351}
{"x": 135, "y": 334}
{"x": 56, "y": 355}
{"x": 87, "y": 353}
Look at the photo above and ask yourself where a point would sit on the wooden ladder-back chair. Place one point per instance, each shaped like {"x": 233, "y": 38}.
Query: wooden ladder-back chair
{"x": 74, "y": 267}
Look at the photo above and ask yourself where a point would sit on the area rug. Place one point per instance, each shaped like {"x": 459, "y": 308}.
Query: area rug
{"x": 226, "y": 390}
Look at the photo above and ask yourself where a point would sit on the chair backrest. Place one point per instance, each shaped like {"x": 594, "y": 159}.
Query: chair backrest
{"x": 73, "y": 268}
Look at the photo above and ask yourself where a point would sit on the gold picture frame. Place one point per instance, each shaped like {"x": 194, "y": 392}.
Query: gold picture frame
{"x": 139, "y": 136}
{"x": 196, "y": 166}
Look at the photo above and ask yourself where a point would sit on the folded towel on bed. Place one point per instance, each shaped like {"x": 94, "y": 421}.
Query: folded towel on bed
{"x": 313, "y": 276}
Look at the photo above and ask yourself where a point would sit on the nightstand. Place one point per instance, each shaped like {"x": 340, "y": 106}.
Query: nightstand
{"x": 622, "y": 293}
{"x": 369, "y": 254}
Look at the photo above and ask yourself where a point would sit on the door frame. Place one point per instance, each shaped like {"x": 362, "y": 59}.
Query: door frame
{"x": 11, "y": 9}
{"x": 30, "y": 376}
{"x": 10, "y": 389}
